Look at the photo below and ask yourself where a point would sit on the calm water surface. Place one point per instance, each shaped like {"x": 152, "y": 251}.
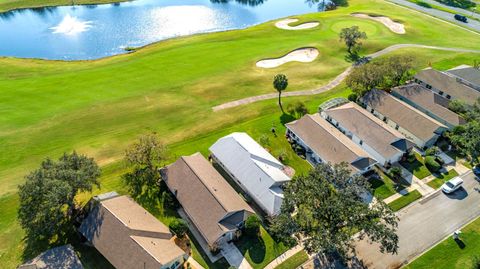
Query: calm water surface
{"x": 90, "y": 32}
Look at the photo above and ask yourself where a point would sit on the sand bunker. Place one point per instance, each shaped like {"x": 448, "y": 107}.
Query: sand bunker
{"x": 284, "y": 24}
{"x": 395, "y": 27}
{"x": 304, "y": 55}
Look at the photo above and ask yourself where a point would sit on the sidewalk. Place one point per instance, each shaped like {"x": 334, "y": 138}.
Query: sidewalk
{"x": 234, "y": 257}
{"x": 289, "y": 253}
{"x": 415, "y": 184}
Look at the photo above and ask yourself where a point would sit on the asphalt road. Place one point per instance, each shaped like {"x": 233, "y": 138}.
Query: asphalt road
{"x": 425, "y": 223}
{"x": 472, "y": 24}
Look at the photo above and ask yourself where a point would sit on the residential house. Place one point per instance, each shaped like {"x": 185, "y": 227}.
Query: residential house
{"x": 211, "y": 204}
{"x": 326, "y": 144}
{"x": 255, "y": 170}
{"x": 446, "y": 85}
{"x": 467, "y": 75}
{"x": 128, "y": 236}
{"x": 63, "y": 257}
{"x": 428, "y": 102}
{"x": 385, "y": 144}
{"x": 409, "y": 121}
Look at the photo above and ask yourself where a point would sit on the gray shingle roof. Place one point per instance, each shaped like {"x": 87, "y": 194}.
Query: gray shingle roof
{"x": 206, "y": 196}
{"x": 406, "y": 116}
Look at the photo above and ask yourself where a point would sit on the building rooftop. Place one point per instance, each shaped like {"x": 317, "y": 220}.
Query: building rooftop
{"x": 127, "y": 235}
{"x": 328, "y": 142}
{"x": 406, "y": 116}
{"x": 468, "y": 73}
{"x": 206, "y": 196}
{"x": 259, "y": 157}
{"x": 430, "y": 101}
{"x": 63, "y": 257}
{"x": 448, "y": 84}
{"x": 367, "y": 127}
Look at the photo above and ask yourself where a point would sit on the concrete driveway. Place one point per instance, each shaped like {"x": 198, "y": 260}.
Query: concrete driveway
{"x": 425, "y": 223}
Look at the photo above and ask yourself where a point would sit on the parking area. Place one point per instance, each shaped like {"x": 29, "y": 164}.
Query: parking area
{"x": 425, "y": 223}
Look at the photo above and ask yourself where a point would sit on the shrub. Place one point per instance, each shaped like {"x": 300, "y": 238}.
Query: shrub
{"x": 476, "y": 262}
{"x": 353, "y": 97}
{"x": 264, "y": 140}
{"x": 179, "y": 227}
{"x": 252, "y": 225}
{"x": 282, "y": 156}
{"x": 433, "y": 151}
{"x": 395, "y": 172}
{"x": 432, "y": 164}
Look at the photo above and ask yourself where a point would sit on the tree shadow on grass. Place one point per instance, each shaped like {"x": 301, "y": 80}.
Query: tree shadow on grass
{"x": 255, "y": 246}
{"x": 286, "y": 118}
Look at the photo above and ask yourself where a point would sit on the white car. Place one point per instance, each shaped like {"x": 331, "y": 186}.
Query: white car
{"x": 452, "y": 185}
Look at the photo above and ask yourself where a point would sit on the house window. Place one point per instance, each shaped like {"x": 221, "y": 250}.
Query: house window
{"x": 448, "y": 96}
{"x": 372, "y": 110}
{"x": 385, "y": 119}
{"x": 440, "y": 92}
{"x": 396, "y": 127}
{"x": 428, "y": 86}
{"x": 361, "y": 142}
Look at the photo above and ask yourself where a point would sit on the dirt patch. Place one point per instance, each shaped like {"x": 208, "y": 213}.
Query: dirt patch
{"x": 395, "y": 27}
{"x": 304, "y": 55}
{"x": 285, "y": 24}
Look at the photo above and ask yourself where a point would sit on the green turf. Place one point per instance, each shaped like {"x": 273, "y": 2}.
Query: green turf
{"x": 295, "y": 261}
{"x": 260, "y": 251}
{"x": 405, "y": 200}
{"x": 383, "y": 188}
{"x": 99, "y": 107}
{"x": 417, "y": 167}
{"x": 450, "y": 255}
{"x": 442, "y": 178}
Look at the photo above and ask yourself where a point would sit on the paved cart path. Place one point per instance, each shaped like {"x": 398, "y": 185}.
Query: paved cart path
{"x": 336, "y": 81}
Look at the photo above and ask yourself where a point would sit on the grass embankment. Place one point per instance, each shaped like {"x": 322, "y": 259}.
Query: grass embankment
{"x": 450, "y": 254}
{"x": 442, "y": 178}
{"x": 295, "y": 261}
{"x": 405, "y": 200}
{"x": 416, "y": 166}
{"x": 7, "y": 5}
{"x": 99, "y": 107}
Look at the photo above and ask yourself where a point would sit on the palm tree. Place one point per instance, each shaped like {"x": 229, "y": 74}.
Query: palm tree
{"x": 280, "y": 83}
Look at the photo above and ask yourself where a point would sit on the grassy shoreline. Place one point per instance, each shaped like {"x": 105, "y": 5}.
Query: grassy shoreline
{"x": 13, "y": 5}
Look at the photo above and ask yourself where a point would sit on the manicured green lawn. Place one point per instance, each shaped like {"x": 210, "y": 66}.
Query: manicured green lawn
{"x": 383, "y": 188}
{"x": 294, "y": 261}
{"x": 99, "y": 107}
{"x": 417, "y": 167}
{"x": 260, "y": 251}
{"x": 439, "y": 180}
{"x": 405, "y": 200}
{"x": 449, "y": 255}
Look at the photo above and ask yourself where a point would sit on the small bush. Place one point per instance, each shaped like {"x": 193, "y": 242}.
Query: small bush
{"x": 353, "y": 97}
{"x": 283, "y": 155}
{"x": 264, "y": 140}
{"x": 179, "y": 227}
{"x": 476, "y": 262}
{"x": 424, "y": 4}
{"x": 433, "y": 151}
{"x": 395, "y": 172}
{"x": 252, "y": 226}
{"x": 432, "y": 164}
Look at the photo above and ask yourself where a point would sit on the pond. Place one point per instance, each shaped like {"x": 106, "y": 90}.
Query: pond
{"x": 96, "y": 31}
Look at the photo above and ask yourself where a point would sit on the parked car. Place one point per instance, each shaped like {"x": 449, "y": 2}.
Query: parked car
{"x": 452, "y": 185}
{"x": 476, "y": 171}
{"x": 461, "y": 18}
